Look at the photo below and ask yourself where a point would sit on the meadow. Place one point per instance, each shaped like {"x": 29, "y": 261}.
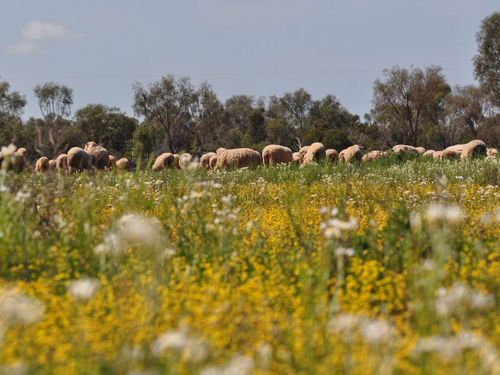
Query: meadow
{"x": 382, "y": 268}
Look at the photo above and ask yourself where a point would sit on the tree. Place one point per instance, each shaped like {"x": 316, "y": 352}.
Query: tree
{"x": 246, "y": 121}
{"x": 55, "y": 102}
{"x": 210, "y": 125}
{"x": 11, "y": 103}
{"x": 107, "y": 126}
{"x": 487, "y": 60}
{"x": 11, "y": 108}
{"x": 296, "y": 107}
{"x": 172, "y": 104}
{"x": 408, "y": 100}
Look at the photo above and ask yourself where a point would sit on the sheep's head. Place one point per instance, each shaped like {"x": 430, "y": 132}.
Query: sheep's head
{"x": 90, "y": 145}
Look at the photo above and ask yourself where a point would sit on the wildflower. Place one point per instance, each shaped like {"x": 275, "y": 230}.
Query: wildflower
{"x": 18, "y": 308}
{"x": 441, "y": 213}
{"x": 344, "y": 324}
{"x": 238, "y": 365}
{"x": 342, "y": 251}
{"x": 451, "y": 346}
{"x": 334, "y": 228}
{"x": 377, "y": 331}
{"x": 131, "y": 230}
{"x": 7, "y": 151}
{"x": 460, "y": 296}
{"x": 190, "y": 348}
{"x": 16, "y": 368}
{"x": 21, "y": 196}
{"x": 83, "y": 289}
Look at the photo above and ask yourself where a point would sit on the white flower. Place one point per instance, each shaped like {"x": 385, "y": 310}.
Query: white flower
{"x": 83, "y": 289}
{"x": 131, "y": 230}
{"x": 460, "y": 296}
{"x": 190, "y": 348}
{"x": 377, "y": 331}
{"x": 7, "y": 151}
{"x": 238, "y": 365}
{"x": 342, "y": 251}
{"x": 16, "y": 307}
{"x": 441, "y": 213}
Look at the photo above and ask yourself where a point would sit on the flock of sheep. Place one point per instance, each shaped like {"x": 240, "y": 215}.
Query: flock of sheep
{"x": 93, "y": 156}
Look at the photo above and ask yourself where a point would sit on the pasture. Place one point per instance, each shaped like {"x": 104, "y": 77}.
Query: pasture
{"x": 381, "y": 268}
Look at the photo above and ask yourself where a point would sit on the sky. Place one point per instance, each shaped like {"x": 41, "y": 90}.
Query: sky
{"x": 99, "y": 48}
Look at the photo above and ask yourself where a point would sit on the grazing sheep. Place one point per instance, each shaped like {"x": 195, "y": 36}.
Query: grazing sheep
{"x": 52, "y": 164}
{"x": 428, "y": 154}
{"x": 165, "y": 160}
{"x": 420, "y": 150}
{"x": 220, "y": 150}
{"x": 112, "y": 161}
{"x": 78, "y": 159}
{"x": 474, "y": 149}
{"x": 332, "y": 155}
{"x": 18, "y": 161}
{"x": 42, "y": 164}
{"x": 21, "y": 152}
{"x": 89, "y": 145}
{"x": 296, "y": 157}
{"x": 492, "y": 152}
{"x": 405, "y": 149}
{"x": 122, "y": 164}
{"x": 177, "y": 158}
{"x": 185, "y": 160}
{"x": 447, "y": 154}
{"x": 276, "y": 154}
{"x": 351, "y": 154}
{"x": 302, "y": 153}
{"x": 213, "y": 161}
{"x": 62, "y": 162}
{"x": 315, "y": 153}
{"x": 99, "y": 156}
{"x": 238, "y": 158}
{"x": 372, "y": 155}
{"x": 205, "y": 159}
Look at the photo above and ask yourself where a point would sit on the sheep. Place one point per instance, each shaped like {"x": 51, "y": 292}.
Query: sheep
{"x": 62, "y": 162}
{"x": 52, "y": 164}
{"x": 213, "y": 161}
{"x": 42, "y": 164}
{"x": 302, "y": 153}
{"x": 165, "y": 160}
{"x": 332, "y": 155}
{"x": 296, "y": 157}
{"x": 428, "y": 154}
{"x": 122, "y": 164}
{"x": 78, "y": 159}
{"x": 18, "y": 160}
{"x": 99, "y": 156}
{"x": 276, "y": 154}
{"x": 238, "y": 158}
{"x": 220, "y": 150}
{"x": 372, "y": 155}
{"x": 420, "y": 150}
{"x": 350, "y": 154}
{"x": 448, "y": 154}
{"x": 185, "y": 160}
{"x": 315, "y": 153}
{"x": 177, "y": 158}
{"x": 405, "y": 149}
{"x": 473, "y": 149}
{"x": 112, "y": 161}
{"x": 491, "y": 152}
{"x": 205, "y": 159}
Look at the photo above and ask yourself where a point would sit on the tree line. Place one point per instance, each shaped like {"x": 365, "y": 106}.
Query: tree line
{"x": 410, "y": 106}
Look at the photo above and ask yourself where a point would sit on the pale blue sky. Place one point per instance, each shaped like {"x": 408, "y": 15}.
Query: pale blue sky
{"x": 254, "y": 47}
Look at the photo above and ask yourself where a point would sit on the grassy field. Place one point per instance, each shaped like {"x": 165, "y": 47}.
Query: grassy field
{"x": 374, "y": 269}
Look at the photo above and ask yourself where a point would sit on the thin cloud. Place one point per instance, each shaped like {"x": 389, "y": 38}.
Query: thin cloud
{"x": 22, "y": 48}
{"x": 36, "y": 32}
